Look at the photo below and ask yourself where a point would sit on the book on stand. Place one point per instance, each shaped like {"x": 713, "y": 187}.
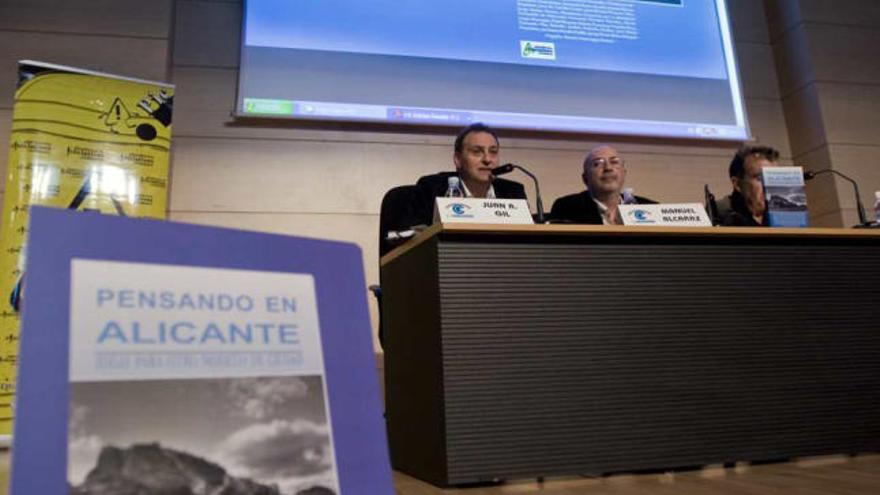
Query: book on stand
{"x": 785, "y": 196}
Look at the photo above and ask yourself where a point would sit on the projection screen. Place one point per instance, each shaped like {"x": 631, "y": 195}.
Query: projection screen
{"x": 635, "y": 67}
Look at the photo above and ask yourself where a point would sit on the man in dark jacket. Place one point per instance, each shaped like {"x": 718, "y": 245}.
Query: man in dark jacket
{"x": 475, "y": 154}
{"x": 746, "y": 206}
{"x": 604, "y": 175}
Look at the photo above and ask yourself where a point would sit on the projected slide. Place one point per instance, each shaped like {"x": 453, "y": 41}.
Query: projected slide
{"x": 654, "y": 67}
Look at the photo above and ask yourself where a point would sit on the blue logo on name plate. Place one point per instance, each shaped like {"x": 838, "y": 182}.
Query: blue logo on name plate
{"x": 642, "y": 216}
{"x": 460, "y": 210}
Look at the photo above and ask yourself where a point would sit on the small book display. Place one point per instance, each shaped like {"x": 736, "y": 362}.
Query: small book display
{"x": 785, "y": 196}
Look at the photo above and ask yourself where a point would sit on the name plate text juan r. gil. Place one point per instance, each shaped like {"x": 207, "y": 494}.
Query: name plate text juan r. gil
{"x": 481, "y": 210}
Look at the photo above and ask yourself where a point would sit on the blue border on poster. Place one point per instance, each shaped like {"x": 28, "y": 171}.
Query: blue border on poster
{"x": 39, "y": 463}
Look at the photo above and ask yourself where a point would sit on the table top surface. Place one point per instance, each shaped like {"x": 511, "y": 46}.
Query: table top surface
{"x": 569, "y": 230}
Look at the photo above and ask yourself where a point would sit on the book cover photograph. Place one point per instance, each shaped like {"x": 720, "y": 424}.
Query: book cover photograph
{"x": 244, "y": 436}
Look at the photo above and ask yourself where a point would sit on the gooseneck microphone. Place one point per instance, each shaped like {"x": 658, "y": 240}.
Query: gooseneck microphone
{"x": 502, "y": 169}
{"x": 507, "y": 168}
{"x": 863, "y": 219}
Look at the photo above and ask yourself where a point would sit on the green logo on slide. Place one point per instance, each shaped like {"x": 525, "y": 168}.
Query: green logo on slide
{"x": 537, "y": 49}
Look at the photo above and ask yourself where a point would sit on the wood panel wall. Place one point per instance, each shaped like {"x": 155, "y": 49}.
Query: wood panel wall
{"x": 328, "y": 180}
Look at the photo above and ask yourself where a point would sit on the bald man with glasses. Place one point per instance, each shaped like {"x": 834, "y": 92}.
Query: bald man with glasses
{"x": 604, "y": 175}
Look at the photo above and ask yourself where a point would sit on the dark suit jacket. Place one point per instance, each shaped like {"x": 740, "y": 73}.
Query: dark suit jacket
{"x": 738, "y": 214}
{"x": 580, "y": 208}
{"x": 433, "y": 186}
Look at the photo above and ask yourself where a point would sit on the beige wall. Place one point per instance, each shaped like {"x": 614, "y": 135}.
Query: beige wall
{"x": 328, "y": 180}
{"x": 829, "y": 72}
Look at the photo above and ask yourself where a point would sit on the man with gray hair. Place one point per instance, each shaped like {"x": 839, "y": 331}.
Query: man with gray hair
{"x": 604, "y": 174}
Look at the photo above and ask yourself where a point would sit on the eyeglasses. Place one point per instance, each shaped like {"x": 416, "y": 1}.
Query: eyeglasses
{"x": 614, "y": 161}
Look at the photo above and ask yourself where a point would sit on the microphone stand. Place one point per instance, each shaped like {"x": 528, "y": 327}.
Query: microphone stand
{"x": 539, "y": 205}
{"x": 863, "y": 218}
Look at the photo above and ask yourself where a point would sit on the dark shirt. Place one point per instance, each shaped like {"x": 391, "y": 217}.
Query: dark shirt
{"x": 435, "y": 185}
{"x": 739, "y": 214}
{"x": 581, "y": 208}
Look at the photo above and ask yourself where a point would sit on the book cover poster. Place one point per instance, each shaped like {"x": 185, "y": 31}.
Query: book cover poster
{"x": 785, "y": 196}
{"x": 189, "y": 376}
{"x": 167, "y": 358}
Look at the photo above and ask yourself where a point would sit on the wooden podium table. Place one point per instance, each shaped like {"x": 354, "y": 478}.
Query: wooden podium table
{"x": 528, "y": 351}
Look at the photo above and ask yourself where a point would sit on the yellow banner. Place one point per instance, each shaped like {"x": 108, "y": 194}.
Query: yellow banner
{"x": 83, "y": 141}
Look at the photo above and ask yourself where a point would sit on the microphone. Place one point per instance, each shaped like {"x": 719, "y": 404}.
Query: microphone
{"x": 502, "y": 169}
{"x": 507, "y": 168}
{"x": 711, "y": 204}
{"x": 863, "y": 219}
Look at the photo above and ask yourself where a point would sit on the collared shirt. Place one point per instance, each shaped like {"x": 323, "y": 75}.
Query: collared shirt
{"x": 490, "y": 194}
{"x": 604, "y": 210}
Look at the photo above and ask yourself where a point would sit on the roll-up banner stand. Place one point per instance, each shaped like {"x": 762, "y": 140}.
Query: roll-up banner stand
{"x": 81, "y": 140}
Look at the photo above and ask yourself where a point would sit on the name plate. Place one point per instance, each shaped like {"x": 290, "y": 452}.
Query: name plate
{"x": 665, "y": 215}
{"x": 481, "y": 210}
